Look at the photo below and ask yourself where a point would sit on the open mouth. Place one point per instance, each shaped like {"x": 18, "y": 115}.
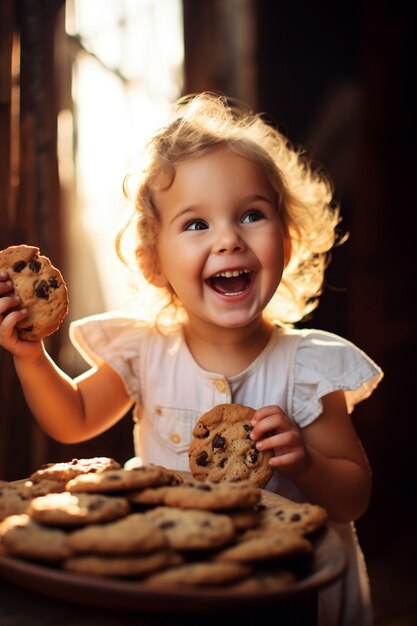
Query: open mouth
{"x": 230, "y": 283}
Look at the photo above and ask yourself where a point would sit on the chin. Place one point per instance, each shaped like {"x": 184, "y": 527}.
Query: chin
{"x": 236, "y": 321}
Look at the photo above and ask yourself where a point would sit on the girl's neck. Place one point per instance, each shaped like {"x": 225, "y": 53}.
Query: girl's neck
{"x": 227, "y": 351}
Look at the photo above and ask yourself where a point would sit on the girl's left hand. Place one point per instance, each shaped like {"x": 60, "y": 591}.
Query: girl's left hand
{"x": 273, "y": 430}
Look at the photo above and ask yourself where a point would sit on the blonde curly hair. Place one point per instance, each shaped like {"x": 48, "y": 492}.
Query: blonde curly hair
{"x": 303, "y": 195}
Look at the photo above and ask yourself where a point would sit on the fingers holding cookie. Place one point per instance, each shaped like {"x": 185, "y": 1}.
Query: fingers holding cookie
{"x": 9, "y": 301}
{"x": 11, "y": 314}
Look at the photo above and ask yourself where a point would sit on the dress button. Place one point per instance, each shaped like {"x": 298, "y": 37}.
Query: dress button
{"x": 175, "y": 437}
{"x": 221, "y": 385}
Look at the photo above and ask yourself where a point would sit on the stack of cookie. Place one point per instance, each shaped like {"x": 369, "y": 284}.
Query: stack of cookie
{"x": 93, "y": 517}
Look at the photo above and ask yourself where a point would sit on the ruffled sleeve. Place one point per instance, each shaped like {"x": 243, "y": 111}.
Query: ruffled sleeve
{"x": 325, "y": 362}
{"x": 114, "y": 339}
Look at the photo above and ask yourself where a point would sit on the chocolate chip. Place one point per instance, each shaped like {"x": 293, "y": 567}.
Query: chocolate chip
{"x": 19, "y": 266}
{"x": 248, "y": 429}
{"x": 280, "y": 514}
{"x": 295, "y": 517}
{"x": 204, "y": 487}
{"x": 218, "y": 442}
{"x": 35, "y": 265}
{"x": 53, "y": 282}
{"x": 42, "y": 290}
{"x": 202, "y": 459}
{"x": 223, "y": 462}
{"x": 252, "y": 456}
{"x": 167, "y": 524}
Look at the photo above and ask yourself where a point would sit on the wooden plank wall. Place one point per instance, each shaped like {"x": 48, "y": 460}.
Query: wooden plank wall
{"x": 29, "y": 190}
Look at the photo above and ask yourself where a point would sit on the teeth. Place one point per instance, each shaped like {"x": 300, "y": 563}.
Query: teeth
{"x": 231, "y": 274}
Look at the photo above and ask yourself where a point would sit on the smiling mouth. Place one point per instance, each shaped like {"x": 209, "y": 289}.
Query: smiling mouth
{"x": 230, "y": 283}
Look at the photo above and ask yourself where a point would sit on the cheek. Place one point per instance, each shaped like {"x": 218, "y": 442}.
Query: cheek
{"x": 273, "y": 254}
{"x": 179, "y": 263}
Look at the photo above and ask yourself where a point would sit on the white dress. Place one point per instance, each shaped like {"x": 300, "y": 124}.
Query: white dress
{"x": 170, "y": 391}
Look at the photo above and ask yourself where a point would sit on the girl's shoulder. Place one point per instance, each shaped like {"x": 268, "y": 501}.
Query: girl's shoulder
{"x": 97, "y": 336}
{"x": 324, "y": 362}
{"x": 312, "y": 343}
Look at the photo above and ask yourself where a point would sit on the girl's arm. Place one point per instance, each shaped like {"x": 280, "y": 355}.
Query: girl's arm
{"x": 325, "y": 460}
{"x": 69, "y": 410}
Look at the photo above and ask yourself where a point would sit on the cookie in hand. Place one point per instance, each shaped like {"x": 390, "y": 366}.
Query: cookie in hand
{"x": 221, "y": 447}
{"x": 41, "y": 288}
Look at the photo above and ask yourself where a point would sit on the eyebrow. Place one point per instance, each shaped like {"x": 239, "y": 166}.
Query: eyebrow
{"x": 182, "y": 212}
{"x": 249, "y": 198}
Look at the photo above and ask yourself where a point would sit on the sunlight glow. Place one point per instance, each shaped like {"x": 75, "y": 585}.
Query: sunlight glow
{"x": 127, "y": 72}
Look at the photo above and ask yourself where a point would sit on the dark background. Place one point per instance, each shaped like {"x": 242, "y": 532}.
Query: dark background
{"x": 339, "y": 79}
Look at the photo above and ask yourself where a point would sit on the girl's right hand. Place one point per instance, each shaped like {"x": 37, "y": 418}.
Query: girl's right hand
{"x": 10, "y": 315}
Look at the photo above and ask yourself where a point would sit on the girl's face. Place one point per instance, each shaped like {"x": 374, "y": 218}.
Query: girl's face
{"x": 221, "y": 241}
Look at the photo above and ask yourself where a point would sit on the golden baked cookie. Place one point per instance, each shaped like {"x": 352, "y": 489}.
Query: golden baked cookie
{"x": 128, "y": 535}
{"x": 199, "y": 574}
{"x": 64, "y": 471}
{"x": 127, "y": 566}
{"x": 221, "y": 448}
{"x": 212, "y": 496}
{"x": 41, "y": 288}
{"x": 24, "y": 537}
{"x": 68, "y": 509}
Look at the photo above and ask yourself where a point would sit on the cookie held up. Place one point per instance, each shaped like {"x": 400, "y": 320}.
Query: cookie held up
{"x": 221, "y": 447}
{"x": 40, "y": 287}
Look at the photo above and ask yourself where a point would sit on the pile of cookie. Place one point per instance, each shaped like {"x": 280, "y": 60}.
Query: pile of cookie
{"x": 93, "y": 517}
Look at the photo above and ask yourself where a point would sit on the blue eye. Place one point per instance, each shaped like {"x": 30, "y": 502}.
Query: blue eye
{"x": 196, "y": 225}
{"x": 252, "y": 216}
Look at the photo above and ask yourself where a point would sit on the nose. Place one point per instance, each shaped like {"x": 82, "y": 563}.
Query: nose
{"x": 228, "y": 241}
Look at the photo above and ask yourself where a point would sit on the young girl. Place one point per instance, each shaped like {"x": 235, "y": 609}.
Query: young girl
{"x": 234, "y": 227}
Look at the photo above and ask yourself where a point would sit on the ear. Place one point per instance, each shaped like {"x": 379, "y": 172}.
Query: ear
{"x": 149, "y": 266}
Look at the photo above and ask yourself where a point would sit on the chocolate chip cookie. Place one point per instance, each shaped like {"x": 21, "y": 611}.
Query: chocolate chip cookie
{"x": 221, "y": 448}
{"x": 68, "y": 509}
{"x": 41, "y": 288}
{"x": 200, "y": 574}
{"x": 192, "y": 529}
{"x": 225, "y": 495}
{"x": 131, "y": 534}
{"x": 66, "y": 470}
{"x": 22, "y": 536}
{"x": 302, "y": 517}
{"x": 284, "y": 545}
{"x": 134, "y": 565}
{"x": 121, "y": 479}
{"x": 14, "y": 498}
